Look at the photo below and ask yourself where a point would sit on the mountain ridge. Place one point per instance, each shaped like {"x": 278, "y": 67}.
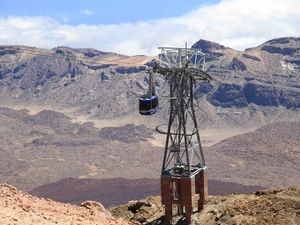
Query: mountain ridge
{"x": 103, "y": 85}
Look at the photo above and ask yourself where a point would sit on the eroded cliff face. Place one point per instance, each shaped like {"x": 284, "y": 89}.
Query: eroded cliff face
{"x": 88, "y": 81}
{"x": 267, "y": 75}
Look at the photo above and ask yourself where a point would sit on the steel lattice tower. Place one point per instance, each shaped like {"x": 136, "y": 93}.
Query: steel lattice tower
{"x": 183, "y": 177}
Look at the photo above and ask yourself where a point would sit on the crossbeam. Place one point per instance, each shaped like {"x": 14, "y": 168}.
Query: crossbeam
{"x": 179, "y": 57}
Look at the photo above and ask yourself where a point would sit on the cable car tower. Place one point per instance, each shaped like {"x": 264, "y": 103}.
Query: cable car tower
{"x": 184, "y": 176}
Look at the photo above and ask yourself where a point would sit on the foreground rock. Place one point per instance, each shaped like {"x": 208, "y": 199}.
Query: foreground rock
{"x": 22, "y": 209}
{"x": 262, "y": 207}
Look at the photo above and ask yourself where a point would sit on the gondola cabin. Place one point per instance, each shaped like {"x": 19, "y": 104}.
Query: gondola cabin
{"x": 148, "y": 103}
{"x": 148, "y": 106}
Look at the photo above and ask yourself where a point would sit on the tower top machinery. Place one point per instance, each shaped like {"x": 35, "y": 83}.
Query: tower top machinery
{"x": 184, "y": 175}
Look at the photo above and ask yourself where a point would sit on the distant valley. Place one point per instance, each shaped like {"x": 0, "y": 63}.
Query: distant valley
{"x": 44, "y": 148}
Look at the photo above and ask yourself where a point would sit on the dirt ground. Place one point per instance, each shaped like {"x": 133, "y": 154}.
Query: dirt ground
{"x": 280, "y": 207}
{"x": 263, "y": 207}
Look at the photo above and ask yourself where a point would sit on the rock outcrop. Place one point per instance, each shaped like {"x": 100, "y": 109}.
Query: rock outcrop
{"x": 262, "y": 207}
{"x": 20, "y": 208}
{"x": 281, "y": 206}
{"x": 267, "y": 75}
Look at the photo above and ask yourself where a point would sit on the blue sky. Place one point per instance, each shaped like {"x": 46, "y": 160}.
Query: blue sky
{"x": 101, "y": 12}
{"x": 135, "y": 27}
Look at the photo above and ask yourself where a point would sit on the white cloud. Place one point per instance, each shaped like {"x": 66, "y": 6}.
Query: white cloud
{"x": 234, "y": 23}
{"x": 87, "y": 12}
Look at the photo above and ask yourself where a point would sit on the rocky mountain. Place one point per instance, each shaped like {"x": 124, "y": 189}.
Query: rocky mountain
{"x": 267, "y": 75}
{"x": 263, "y": 79}
{"x": 89, "y": 81}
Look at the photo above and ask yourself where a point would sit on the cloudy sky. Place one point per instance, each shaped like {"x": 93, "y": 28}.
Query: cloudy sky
{"x": 135, "y": 27}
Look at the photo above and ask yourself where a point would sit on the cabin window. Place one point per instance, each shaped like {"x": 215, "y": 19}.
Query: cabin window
{"x": 145, "y": 105}
{"x": 155, "y": 103}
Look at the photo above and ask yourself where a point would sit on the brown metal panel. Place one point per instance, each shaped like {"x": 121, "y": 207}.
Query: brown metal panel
{"x": 203, "y": 188}
{"x": 168, "y": 214}
{"x": 188, "y": 214}
{"x": 166, "y": 190}
{"x": 186, "y": 192}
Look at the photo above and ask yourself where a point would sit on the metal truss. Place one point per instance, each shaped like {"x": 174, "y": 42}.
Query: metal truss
{"x": 183, "y": 154}
{"x": 179, "y": 57}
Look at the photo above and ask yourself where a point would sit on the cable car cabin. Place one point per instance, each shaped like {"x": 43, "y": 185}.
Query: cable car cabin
{"x": 148, "y": 103}
{"x": 148, "y": 106}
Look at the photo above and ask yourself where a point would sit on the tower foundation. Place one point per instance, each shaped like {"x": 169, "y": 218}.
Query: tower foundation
{"x": 186, "y": 192}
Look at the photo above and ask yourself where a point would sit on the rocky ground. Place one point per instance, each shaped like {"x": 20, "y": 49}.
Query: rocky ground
{"x": 18, "y": 208}
{"x": 263, "y": 207}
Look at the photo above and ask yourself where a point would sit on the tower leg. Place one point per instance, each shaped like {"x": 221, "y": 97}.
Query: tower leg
{"x": 188, "y": 214}
{"x": 202, "y": 188}
{"x": 168, "y": 214}
{"x": 166, "y": 197}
